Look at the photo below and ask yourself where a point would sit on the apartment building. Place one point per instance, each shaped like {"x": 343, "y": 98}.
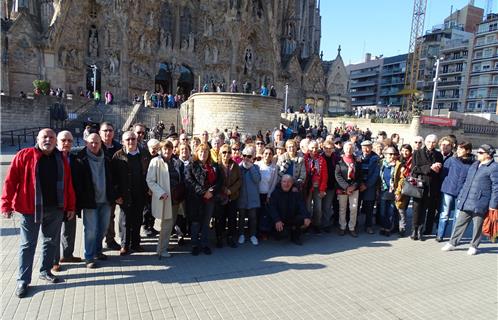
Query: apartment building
{"x": 482, "y": 91}
{"x": 363, "y": 85}
{"x": 392, "y": 80}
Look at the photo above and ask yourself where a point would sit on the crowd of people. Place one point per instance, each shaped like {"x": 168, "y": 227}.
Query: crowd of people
{"x": 393, "y": 114}
{"x": 247, "y": 188}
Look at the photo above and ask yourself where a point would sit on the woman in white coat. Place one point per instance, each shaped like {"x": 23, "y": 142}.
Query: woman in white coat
{"x": 158, "y": 181}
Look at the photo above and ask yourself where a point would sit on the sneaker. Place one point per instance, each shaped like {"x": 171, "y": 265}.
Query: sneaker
{"x": 21, "y": 290}
{"x": 165, "y": 254}
{"x": 91, "y": 264}
{"x": 472, "y": 251}
{"x": 56, "y": 268}
{"x": 254, "y": 240}
{"x": 49, "y": 277}
{"x": 439, "y": 239}
{"x": 353, "y": 233}
{"x": 448, "y": 247}
{"x": 102, "y": 257}
{"x": 70, "y": 259}
{"x": 242, "y": 239}
{"x": 370, "y": 230}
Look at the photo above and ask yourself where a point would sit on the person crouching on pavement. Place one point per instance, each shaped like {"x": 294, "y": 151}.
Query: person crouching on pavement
{"x": 288, "y": 211}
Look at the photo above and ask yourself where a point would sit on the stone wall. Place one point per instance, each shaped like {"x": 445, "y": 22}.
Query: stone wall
{"x": 19, "y": 113}
{"x": 208, "y": 111}
{"x": 406, "y": 131}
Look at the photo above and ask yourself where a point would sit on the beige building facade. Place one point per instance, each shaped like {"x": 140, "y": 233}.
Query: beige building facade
{"x": 174, "y": 46}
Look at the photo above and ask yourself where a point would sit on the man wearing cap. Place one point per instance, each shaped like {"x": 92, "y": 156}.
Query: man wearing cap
{"x": 370, "y": 174}
{"x": 338, "y": 147}
{"x": 478, "y": 195}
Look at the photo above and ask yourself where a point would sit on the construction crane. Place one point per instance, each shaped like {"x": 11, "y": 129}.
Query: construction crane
{"x": 489, "y": 8}
{"x": 414, "y": 50}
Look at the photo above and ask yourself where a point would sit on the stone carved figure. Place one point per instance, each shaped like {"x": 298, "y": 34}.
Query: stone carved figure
{"x": 215, "y": 54}
{"x": 114, "y": 63}
{"x": 184, "y": 45}
{"x": 248, "y": 60}
{"x": 93, "y": 43}
{"x": 209, "y": 28}
{"x": 206, "y": 54}
{"x": 191, "y": 42}
{"x": 141, "y": 42}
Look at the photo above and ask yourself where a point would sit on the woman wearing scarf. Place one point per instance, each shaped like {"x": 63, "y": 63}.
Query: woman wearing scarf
{"x": 204, "y": 181}
{"x": 227, "y": 198}
{"x": 454, "y": 175}
{"x": 390, "y": 176}
{"x": 402, "y": 200}
{"x": 348, "y": 178}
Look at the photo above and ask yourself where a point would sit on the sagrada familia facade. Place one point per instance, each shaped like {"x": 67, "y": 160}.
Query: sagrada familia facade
{"x": 170, "y": 46}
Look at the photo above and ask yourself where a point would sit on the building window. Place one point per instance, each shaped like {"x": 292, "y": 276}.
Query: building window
{"x": 488, "y": 52}
{"x": 465, "y": 53}
{"x": 490, "y": 39}
{"x": 459, "y": 67}
{"x": 476, "y": 67}
{"x": 485, "y": 67}
{"x": 445, "y": 69}
{"x": 478, "y": 54}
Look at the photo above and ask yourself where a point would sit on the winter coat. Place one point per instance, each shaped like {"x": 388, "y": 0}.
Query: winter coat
{"x": 285, "y": 206}
{"x": 454, "y": 173}
{"x": 298, "y": 172}
{"x": 158, "y": 183}
{"x": 421, "y": 168}
{"x": 195, "y": 178}
{"x": 249, "y": 191}
{"x": 19, "y": 187}
{"x": 370, "y": 173}
{"x": 83, "y": 182}
{"x": 121, "y": 176}
{"x": 341, "y": 176}
{"x": 480, "y": 190}
{"x": 319, "y": 174}
{"x": 234, "y": 181}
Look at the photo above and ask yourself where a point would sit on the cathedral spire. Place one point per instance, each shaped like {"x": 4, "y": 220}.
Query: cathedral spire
{"x": 339, "y": 50}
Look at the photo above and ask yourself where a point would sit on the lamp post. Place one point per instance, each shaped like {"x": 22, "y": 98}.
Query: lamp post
{"x": 94, "y": 68}
{"x": 435, "y": 80}
{"x": 286, "y": 96}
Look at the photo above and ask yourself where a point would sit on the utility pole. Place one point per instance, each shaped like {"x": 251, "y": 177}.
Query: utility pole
{"x": 286, "y": 95}
{"x": 435, "y": 80}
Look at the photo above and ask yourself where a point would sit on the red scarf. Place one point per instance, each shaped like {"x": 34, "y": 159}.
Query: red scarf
{"x": 349, "y": 160}
{"x": 408, "y": 166}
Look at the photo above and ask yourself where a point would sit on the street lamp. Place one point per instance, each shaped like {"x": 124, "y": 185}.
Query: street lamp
{"x": 435, "y": 80}
{"x": 286, "y": 96}
{"x": 94, "y": 68}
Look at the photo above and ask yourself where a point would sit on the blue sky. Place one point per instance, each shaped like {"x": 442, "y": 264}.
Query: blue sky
{"x": 378, "y": 27}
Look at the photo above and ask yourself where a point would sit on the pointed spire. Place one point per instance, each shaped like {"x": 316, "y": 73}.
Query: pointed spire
{"x": 339, "y": 50}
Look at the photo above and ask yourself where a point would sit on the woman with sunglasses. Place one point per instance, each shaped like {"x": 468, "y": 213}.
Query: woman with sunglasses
{"x": 226, "y": 208}
{"x": 401, "y": 201}
{"x": 249, "y": 195}
{"x": 236, "y": 153}
{"x": 204, "y": 181}
{"x": 292, "y": 164}
{"x": 269, "y": 179}
{"x": 390, "y": 178}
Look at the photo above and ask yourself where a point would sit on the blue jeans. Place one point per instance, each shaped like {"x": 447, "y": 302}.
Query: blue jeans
{"x": 202, "y": 226}
{"x": 387, "y": 210}
{"x": 367, "y": 207}
{"x": 447, "y": 215}
{"x": 327, "y": 209}
{"x": 95, "y": 223}
{"x": 51, "y": 227}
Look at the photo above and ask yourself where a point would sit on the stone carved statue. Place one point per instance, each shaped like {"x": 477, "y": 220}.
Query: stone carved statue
{"x": 248, "y": 60}
{"x": 191, "y": 42}
{"x": 209, "y": 27}
{"x": 215, "y": 54}
{"x": 206, "y": 54}
{"x": 184, "y": 45}
{"x": 93, "y": 43}
{"x": 114, "y": 63}
{"x": 142, "y": 43}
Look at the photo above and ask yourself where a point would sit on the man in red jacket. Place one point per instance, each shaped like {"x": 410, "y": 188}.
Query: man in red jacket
{"x": 39, "y": 187}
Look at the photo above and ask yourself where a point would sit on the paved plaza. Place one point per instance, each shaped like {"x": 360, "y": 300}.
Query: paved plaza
{"x": 329, "y": 277}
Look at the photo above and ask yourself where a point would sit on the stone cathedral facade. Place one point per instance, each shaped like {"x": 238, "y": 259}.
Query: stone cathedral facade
{"x": 170, "y": 46}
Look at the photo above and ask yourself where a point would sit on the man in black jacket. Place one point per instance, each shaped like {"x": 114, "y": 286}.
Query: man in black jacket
{"x": 93, "y": 186}
{"x": 129, "y": 168}
{"x": 427, "y": 165}
{"x": 288, "y": 211}
{"x": 110, "y": 146}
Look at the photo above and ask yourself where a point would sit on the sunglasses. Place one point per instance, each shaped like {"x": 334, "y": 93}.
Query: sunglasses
{"x": 130, "y": 139}
{"x": 390, "y": 154}
{"x": 107, "y": 130}
{"x": 417, "y": 142}
{"x": 481, "y": 152}
{"x": 235, "y": 149}
{"x": 140, "y": 132}
{"x": 248, "y": 156}
{"x": 226, "y": 152}
{"x": 66, "y": 140}
{"x": 259, "y": 143}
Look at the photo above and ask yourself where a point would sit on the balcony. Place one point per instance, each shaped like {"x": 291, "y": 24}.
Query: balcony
{"x": 366, "y": 74}
{"x": 392, "y": 71}
{"x": 484, "y": 84}
{"x": 364, "y": 103}
{"x": 452, "y": 71}
{"x": 362, "y": 84}
{"x": 362, "y": 93}
{"x": 450, "y": 83}
{"x": 486, "y": 44}
{"x": 440, "y": 98}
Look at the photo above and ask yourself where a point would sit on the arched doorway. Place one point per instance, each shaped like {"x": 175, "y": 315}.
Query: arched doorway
{"x": 186, "y": 81}
{"x": 163, "y": 80}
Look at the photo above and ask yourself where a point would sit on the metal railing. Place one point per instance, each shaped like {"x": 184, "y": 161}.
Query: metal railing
{"x": 21, "y": 136}
{"x": 479, "y": 129}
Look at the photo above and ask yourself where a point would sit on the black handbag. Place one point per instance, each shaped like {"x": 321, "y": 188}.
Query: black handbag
{"x": 412, "y": 190}
{"x": 390, "y": 196}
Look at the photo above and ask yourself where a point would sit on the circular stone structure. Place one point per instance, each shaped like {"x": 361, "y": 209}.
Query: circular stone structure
{"x": 224, "y": 110}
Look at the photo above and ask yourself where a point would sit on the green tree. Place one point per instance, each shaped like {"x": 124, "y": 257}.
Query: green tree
{"x": 42, "y": 85}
